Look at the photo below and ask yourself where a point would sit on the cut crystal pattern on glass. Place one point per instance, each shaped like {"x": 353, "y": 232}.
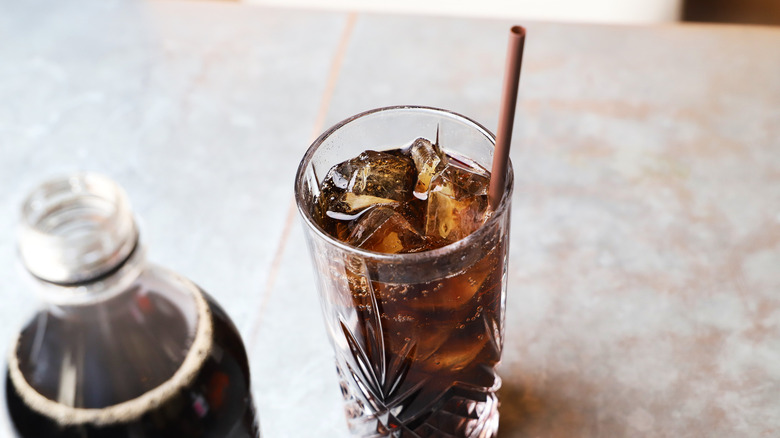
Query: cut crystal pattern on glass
{"x": 393, "y": 388}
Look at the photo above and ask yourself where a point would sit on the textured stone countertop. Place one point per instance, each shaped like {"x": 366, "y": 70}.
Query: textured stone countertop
{"x": 644, "y": 286}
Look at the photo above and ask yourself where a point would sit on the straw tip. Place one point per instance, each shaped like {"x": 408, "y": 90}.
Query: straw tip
{"x": 518, "y": 31}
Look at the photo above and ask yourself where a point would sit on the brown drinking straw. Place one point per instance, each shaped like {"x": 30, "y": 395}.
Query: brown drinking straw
{"x": 506, "y": 118}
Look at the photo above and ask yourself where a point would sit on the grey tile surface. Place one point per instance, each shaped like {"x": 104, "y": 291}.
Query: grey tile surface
{"x": 645, "y": 225}
{"x": 294, "y": 370}
{"x": 448, "y": 63}
{"x": 200, "y": 110}
{"x": 646, "y": 221}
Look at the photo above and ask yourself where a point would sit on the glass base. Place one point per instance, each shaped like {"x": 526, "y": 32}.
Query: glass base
{"x": 459, "y": 412}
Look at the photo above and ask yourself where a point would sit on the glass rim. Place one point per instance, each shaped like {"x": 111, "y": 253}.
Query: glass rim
{"x": 416, "y": 257}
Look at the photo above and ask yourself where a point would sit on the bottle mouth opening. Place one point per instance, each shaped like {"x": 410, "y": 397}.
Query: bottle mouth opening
{"x": 76, "y": 228}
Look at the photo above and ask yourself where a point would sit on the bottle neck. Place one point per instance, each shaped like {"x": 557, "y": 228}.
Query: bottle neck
{"x": 62, "y": 298}
{"x": 78, "y": 238}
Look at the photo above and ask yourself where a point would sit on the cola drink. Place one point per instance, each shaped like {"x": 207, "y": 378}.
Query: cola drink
{"x": 412, "y": 283}
{"x": 120, "y": 347}
{"x": 404, "y": 200}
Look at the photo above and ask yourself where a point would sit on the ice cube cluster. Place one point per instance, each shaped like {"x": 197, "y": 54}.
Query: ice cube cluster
{"x": 403, "y": 200}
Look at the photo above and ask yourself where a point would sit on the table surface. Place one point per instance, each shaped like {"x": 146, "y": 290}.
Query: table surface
{"x": 644, "y": 282}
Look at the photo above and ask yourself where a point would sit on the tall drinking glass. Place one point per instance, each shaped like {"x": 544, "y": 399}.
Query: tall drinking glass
{"x": 417, "y": 336}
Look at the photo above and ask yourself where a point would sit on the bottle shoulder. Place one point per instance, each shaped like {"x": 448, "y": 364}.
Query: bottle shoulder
{"x": 118, "y": 350}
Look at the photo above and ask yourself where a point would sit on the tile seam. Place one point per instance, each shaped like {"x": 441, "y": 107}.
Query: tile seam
{"x": 319, "y": 121}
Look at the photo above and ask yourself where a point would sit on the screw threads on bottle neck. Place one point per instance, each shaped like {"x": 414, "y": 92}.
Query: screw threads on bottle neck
{"x": 76, "y": 229}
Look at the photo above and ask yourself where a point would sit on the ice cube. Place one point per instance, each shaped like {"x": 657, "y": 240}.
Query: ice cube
{"x": 435, "y": 336}
{"x": 429, "y": 160}
{"x": 384, "y": 229}
{"x": 458, "y": 352}
{"x": 456, "y": 292}
{"x": 372, "y": 178}
{"x": 445, "y": 346}
{"x": 457, "y": 203}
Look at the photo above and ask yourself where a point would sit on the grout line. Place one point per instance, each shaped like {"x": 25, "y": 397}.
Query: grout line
{"x": 319, "y": 121}
{"x": 333, "y": 75}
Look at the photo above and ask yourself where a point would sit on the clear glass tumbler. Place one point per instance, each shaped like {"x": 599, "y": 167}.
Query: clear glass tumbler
{"x": 417, "y": 336}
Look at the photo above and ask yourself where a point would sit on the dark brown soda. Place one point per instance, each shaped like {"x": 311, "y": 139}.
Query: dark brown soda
{"x": 441, "y": 341}
{"x": 217, "y": 403}
{"x": 427, "y": 351}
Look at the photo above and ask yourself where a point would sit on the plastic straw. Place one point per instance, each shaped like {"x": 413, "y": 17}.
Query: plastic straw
{"x": 506, "y": 119}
